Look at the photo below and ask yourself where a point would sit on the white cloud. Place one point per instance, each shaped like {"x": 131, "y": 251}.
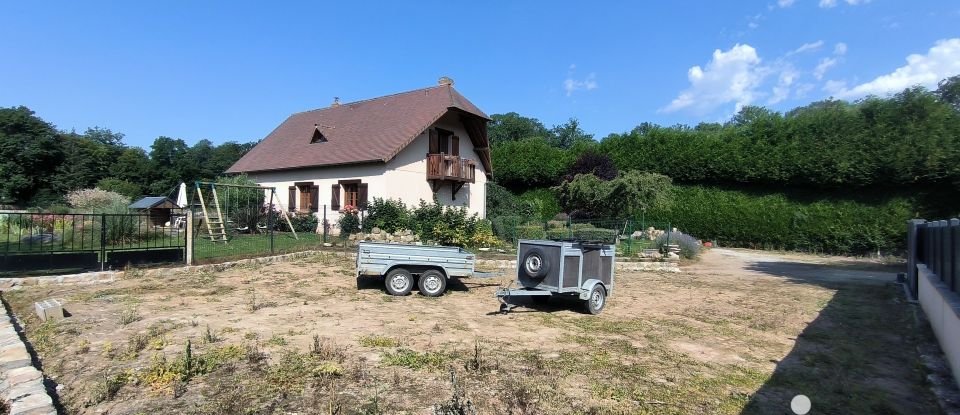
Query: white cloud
{"x": 834, "y": 87}
{"x": 840, "y": 49}
{"x": 571, "y": 85}
{"x": 807, "y": 47}
{"x": 941, "y": 61}
{"x": 782, "y": 90}
{"x": 826, "y": 4}
{"x": 822, "y": 67}
{"x": 785, "y": 3}
{"x": 731, "y": 76}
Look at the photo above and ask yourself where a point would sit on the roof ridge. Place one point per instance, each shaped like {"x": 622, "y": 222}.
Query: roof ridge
{"x": 371, "y": 99}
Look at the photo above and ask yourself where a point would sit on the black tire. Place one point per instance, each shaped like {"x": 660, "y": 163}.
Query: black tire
{"x": 432, "y": 283}
{"x": 535, "y": 264}
{"x": 399, "y": 282}
{"x": 597, "y": 299}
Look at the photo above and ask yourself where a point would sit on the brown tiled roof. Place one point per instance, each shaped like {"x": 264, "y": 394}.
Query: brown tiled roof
{"x": 373, "y": 130}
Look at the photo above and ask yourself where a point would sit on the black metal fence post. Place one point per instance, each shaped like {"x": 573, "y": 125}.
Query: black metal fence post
{"x": 270, "y": 225}
{"x": 103, "y": 241}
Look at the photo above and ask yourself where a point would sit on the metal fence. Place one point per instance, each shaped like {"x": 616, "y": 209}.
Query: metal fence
{"x": 935, "y": 244}
{"x": 42, "y": 242}
{"x": 268, "y": 234}
{"x": 630, "y": 236}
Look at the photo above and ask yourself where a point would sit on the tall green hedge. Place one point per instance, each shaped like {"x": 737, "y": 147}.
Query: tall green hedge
{"x": 777, "y": 221}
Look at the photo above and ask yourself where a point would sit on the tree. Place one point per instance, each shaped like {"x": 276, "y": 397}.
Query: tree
{"x": 529, "y": 163}
{"x": 949, "y": 91}
{"x": 514, "y": 127}
{"x": 626, "y": 196}
{"x": 567, "y": 134}
{"x": 123, "y": 187}
{"x": 29, "y": 154}
{"x": 592, "y": 162}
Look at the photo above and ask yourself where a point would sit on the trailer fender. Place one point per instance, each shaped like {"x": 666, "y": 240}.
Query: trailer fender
{"x": 588, "y": 286}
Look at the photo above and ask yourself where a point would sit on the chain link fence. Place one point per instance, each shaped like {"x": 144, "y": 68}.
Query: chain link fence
{"x": 630, "y": 236}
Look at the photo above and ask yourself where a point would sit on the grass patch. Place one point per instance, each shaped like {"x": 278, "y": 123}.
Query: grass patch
{"x": 379, "y": 341}
{"x": 416, "y": 360}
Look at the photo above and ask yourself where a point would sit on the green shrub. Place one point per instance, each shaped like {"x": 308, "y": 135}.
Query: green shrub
{"x": 97, "y": 201}
{"x": 543, "y": 203}
{"x": 776, "y": 221}
{"x": 349, "y": 221}
{"x": 596, "y": 234}
{"x": 530, "y": 232}
{"x": 501, "y": 202}
{"x": 304, "y": 222}
{"x": 387, "y": 214}
{"x": 689, "y": 246}
{"x": 123, "y": 187}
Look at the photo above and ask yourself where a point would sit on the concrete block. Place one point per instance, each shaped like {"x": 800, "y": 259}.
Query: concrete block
{"x": 49, "y": 310}
{"x": 14, "y": 357}
{"x": 32, "y": 402}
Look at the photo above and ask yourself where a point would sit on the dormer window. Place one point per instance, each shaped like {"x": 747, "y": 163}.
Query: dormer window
{"x": 318, "y": 137}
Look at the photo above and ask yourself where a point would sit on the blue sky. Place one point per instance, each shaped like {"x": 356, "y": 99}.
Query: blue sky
{"x": 234, "y": 70}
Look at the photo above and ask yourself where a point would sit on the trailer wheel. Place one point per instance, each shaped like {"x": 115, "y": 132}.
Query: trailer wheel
{"x": 535, "y": 264}
{"x": 399, "y": 282}
{"x": 432, "y": 283}
{"x": 597, "y": 299}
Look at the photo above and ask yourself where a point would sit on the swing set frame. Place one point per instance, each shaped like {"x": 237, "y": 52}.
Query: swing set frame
{"x": 213, "y": 190}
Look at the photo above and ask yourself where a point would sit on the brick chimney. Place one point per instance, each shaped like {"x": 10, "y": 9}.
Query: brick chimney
{"x": 336, "y": 102}
{"x": 445, "y": 81}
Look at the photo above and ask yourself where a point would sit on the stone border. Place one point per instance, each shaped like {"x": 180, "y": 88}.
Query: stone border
{"x": 21, "y": 384}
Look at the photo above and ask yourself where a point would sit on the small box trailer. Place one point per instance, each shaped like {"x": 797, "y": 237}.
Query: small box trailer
{"x": 427, "y": 267}
{"x": 568, "y": 268}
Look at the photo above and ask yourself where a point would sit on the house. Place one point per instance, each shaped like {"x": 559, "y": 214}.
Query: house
{"x": 409, "y": 146}
{"x": 160, "y": 209}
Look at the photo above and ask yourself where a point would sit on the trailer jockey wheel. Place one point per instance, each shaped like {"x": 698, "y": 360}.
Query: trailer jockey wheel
{"x": 535, "y": 264}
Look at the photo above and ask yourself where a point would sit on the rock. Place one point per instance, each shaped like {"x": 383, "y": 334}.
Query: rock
{"x": 484, "y": 249}
{"x": 673, "y": 255}
{"x": 327, "y": 244}
{"x": 406, "y": 238}
{"x": 376, "y": 230}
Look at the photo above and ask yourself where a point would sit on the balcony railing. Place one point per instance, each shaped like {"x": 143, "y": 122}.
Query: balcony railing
{"x": 453, "y": 168}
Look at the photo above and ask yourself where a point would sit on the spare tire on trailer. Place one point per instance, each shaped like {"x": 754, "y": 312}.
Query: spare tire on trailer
{"x": 535, "y": 264}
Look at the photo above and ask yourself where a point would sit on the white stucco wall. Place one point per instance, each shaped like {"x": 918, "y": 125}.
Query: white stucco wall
{"x": 942, "y": 308}
{"x": 403, "y": 178}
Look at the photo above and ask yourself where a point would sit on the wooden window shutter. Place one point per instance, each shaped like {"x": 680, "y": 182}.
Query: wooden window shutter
{"x": 335, "y": 197}
{"x": 362, "y": 195}
{"x": 314, "y": 198}
{"x": 292, "y": 199}
{"x": 455, "y": 146}
{"x": 434, "y": 142}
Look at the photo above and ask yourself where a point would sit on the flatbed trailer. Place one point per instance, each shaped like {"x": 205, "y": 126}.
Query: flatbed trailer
{"x": 428, "y": 267}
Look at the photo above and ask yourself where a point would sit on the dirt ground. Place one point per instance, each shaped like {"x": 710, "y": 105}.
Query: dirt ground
{"x": 737, "y": 332}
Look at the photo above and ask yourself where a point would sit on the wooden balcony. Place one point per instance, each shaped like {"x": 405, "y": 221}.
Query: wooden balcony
{"x": 452, "y": 168}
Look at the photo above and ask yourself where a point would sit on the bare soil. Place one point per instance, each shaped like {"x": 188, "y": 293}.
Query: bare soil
{"x": 737, "y": 332}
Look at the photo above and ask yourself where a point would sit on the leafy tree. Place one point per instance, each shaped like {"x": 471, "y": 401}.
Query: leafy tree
{"x": 129, "y": 189}
{"x": 949, "y": 91}
{"x": 514, "y": 127}
{"x": 567, "y": 134}
{"x": 529, "y": 163}
{"x": 592, "y": 162}
{"x": 29, "y": 154}
{"x": 626, "y": 196}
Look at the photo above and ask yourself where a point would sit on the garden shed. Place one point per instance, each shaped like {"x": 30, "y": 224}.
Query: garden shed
{"x": 160, "y": 208}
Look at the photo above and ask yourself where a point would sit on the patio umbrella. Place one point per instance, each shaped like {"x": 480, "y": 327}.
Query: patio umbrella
{"x": 182, "y": 196}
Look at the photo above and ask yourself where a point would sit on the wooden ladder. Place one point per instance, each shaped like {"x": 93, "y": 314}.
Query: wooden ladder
{"x": 216, "y": 230}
